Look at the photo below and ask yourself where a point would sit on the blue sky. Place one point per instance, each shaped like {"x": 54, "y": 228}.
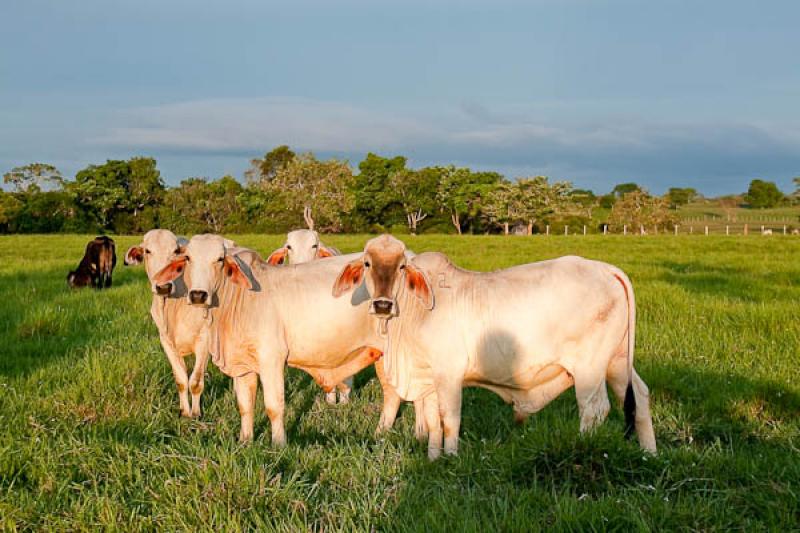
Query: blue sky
{"x": 684, "y": 93}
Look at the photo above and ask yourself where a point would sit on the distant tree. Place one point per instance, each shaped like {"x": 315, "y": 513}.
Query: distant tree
{"x": 607, "y": 200}
{"x": 198, "y": 205}
{"x": 42, "y": 175}
{"x": 622, "y": 189}
{"x": 463, "y": 194}
{"x": 371, "y": 192}
{"x": 504, "y": 205}
{"x": 118, "y": 187}
{"x": 680, "y": 196}
{"x": 540, "y": 200}
{"x": 267, "y": 167}
{"x": 416, "y": 191}
{"x": 324, "y": 186}
{"x": 10, "y": 208}
{"x": 763, "y": 194}
{"x": 585, "y": 200}
{"x": 639, "y": 209}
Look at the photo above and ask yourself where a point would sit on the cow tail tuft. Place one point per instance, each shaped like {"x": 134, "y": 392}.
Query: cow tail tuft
{"x": 629, "y": 408}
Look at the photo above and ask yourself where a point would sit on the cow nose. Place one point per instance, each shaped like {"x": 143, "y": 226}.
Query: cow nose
{"x": 382, "y": 306}
{"x": 164, "y": 290}
{"x": 198, "y": 297}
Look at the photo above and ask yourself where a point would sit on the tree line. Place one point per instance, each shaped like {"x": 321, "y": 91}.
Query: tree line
{"x": 383, "y": 194}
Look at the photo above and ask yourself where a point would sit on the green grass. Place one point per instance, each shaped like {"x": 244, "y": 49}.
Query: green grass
{"x": 90, "y": 437}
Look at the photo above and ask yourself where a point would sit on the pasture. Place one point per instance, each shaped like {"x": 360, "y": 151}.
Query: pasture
{"x": 90, "y": 437}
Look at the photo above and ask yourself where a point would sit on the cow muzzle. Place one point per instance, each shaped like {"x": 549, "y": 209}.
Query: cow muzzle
{"x": 198, "y": 297}
{"x": 164, "y": 290}
{"x": 383, "y": 307}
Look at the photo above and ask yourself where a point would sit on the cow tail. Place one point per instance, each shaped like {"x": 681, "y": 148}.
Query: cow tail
{"x": 629, "y": 403}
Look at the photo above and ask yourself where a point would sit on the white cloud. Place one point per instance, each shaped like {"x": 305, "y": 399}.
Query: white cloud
{"x": 605, "y": 148}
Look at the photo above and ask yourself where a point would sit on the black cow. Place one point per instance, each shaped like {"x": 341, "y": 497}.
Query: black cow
{"x": 97, "y": 265}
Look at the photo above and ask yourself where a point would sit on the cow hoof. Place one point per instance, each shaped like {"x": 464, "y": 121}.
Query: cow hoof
{"x": 344, "y": 397}
{"x": 330, "y": 397}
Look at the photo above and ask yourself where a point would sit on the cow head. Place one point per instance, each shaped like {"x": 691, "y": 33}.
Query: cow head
{"x": 385, "y": 271}
{"x": 77, "y": 279}
{"x": 302, "y": 246}
{"x": 158, "y": 248}
{"x": 204, "y": 264}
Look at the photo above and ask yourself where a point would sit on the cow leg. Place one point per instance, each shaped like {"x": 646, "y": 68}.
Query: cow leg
{"x": 448, "y": 391}
{"x": 391, "y": 401}
{"x": 179, "y": 372}
{"x": 592, "y": 396}
{"x": 535, "y": 399}
{"x": 420, "y": 426}
{"x": 245, "y": 388}
{"x": 344, "y": 389}
{"x": 618, "y": 379}
{"x": 434, "y": 423}
{"x": 271, "y": 372}
{"x": 197, "y": 379}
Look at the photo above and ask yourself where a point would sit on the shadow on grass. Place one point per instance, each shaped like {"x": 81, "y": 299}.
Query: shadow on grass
{"x": 739, "y": 466}
{"x": 43, "y": 320}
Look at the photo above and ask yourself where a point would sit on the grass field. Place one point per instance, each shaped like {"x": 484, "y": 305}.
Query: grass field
{"x": 90, "y": 437}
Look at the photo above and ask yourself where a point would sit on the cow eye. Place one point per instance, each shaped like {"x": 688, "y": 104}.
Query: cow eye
{"x": 146, "y": 251}
{"x": 315, "y": 246}
{"x": 402, "y": 267}
{"x": 288, "y": 247}
{"x": 221, "y": 259}
{"x": 366, "y": 264}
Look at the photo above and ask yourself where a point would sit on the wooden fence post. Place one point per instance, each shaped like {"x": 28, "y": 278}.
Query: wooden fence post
{"x": 675, "y": 227}
{"x": 706, "y": 230}
{"x": 566, "y": 229}
{"x": 548, "y": 229}
{"x": 605, "y": 229}
{"x": 584, "y": 229}
{"x": 625, "y": 229}
{"x": 727, "y": 230}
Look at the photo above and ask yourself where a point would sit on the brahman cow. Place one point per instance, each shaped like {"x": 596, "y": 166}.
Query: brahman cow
{"x": 182, "y": 328}
{"x": 96, "y": 266}
{"x": 302, "y": 246}
{"x": 263, "y": 317}
{"x": 527, "y": 333}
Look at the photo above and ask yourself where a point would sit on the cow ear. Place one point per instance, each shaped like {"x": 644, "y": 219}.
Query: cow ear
{"x": 234, "y": 272}
{"x": 277, "y": 257}
{"x": 324, "y": 251}
{"x": 417, "y": 282}
{"x": 350, "y": 276}
{"x": 134, "y": 255}
{"x": 170, "y": 272}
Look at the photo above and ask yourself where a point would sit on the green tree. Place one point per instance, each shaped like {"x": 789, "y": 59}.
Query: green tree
{"x": 415, "y": 190}
{"x": 540, "y": 200}
{"x": 621, "y": 189}
{"x": 41, "y": 175}
{"x": 267, "y": 167}
{"x": 324, "y": 186}
{"x": 677, "y": 196}
{"x": 10, "y": 207}
{"x": 371, "y": 191}
{"x": 638, "y": 209}
{"x": 464, "y": 195}
{"x": 763, "y": 194}
{"x": 198, "y": 205}
{"x": 104, "y": 191}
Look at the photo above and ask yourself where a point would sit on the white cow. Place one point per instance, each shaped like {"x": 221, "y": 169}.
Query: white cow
{"x": 527, "y": 333}
{"x": 181, "y": 327}
{"x": 302, "y": 246}
{"x": 264, "y": 317}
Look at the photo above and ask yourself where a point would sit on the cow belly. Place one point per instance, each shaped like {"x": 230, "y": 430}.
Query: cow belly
{"x": 325, "y": 358}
